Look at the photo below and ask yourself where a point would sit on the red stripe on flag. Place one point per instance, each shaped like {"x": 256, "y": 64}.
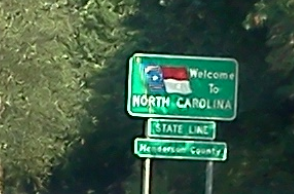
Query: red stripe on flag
{"x": 178, "y": 73}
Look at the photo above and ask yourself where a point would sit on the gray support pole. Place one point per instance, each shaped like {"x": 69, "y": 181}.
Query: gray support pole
{"x": 146, "y": 176}
{"x": 146, "y": 171}
{"x": 209, "y": 177}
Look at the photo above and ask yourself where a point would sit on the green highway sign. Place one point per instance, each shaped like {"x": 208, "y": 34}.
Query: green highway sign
{"x": 186, "y": 129}
{"x": 184, "y": 87}
{"x": 178, "y": 149}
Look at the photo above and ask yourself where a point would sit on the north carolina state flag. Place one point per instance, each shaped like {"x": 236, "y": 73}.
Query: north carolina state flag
{"x": 170, "y": 79}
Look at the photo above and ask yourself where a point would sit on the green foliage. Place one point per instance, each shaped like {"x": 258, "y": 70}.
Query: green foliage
{"x": 276, "y": 15}
{"x": 100, "y": 47}
{"x": 41, "y": 96}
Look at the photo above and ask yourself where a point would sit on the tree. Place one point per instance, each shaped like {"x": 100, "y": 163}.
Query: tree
{"x": 103, "y": 160}
{"x": 276, "y": 16}
{"x": 41, "y": 94}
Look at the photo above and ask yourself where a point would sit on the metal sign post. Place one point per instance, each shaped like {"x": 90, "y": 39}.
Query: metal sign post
{"x": 146, "y": 171}
{"x": 146, "y": 176}
{"x": 209, "y": 177}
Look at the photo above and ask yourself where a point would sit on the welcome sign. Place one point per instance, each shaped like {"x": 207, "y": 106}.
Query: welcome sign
{"x": 174, "y": 86}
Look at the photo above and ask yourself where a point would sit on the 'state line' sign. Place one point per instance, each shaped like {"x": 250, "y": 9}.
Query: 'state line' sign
{"x": 184, "y": 129}
{"x": 172, "y": 86}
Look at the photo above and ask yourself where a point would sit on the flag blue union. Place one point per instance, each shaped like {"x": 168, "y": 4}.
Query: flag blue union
{"x": 154, "y": 79}
{"x": 167, "y": 79}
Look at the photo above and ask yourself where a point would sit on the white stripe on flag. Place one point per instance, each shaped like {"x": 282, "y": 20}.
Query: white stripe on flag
{"x": 177, "y": 86}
